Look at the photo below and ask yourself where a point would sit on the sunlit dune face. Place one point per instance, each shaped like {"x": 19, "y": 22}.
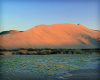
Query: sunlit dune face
{"x": 56, "y": 35}
{"x": 13, "y": 31}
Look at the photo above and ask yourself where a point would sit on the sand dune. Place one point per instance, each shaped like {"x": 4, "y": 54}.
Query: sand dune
{"x": 53, "y": 36}
{"x": 9, "y": 32}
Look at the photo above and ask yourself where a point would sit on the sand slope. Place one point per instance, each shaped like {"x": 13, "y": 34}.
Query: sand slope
{"x": 53, "y": 36}
{"x": 9, "y": 32}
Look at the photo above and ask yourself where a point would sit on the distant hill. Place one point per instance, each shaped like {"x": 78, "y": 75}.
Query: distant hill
{"x": 52, "y": 36}
{"x": 9, "y": 32}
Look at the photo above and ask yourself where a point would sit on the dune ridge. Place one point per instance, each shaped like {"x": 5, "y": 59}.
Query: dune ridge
{"x": 53, "y": 36}
{"x": 9, "y": 32}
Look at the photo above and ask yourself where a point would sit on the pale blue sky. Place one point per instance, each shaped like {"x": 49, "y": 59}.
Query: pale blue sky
{"x": 23, "y": 15}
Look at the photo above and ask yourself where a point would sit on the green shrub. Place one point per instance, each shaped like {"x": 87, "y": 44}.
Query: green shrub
{"x": 78, "y": 51}
{"x": 69, "y": 52}
{"x": 63, "y": 52}
{"x": 13, "y": 53}
{"x": 30, "y": 53}
{"x": 20, "y": 53}
{"x": 66, "y": 51}
{"x": 27, "y": 53}
{"x": 43, "y": 52}
{"x": 38, "y": 53}
{"x": 30, "y": 49}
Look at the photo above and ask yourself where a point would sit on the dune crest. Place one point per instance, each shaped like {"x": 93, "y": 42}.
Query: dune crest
{"x": 53, "y": 36}
{"x": 9, "y": 32}
{"x": 13, "y": 31}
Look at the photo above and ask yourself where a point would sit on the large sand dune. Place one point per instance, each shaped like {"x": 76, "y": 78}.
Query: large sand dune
{"x": 53, "y": 36}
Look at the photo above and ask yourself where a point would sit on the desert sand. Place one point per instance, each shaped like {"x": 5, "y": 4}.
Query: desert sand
{"x": 52, "y": 36}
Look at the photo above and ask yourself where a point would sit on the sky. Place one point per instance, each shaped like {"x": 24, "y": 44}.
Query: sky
{"x": 25, "y": 14}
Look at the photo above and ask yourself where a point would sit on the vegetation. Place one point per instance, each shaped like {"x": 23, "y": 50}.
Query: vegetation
{"x": 51, "y": 65}
{"x": 1, "y": 53}
{"x": 48, "y": 51}
{"x": 78, "y": 51}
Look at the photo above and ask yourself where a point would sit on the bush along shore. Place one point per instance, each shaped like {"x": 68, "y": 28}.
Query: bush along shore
{"x": 48, "y": 51}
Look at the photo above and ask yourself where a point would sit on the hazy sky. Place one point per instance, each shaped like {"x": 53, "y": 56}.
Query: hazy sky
{"x": 23, "y": 15}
